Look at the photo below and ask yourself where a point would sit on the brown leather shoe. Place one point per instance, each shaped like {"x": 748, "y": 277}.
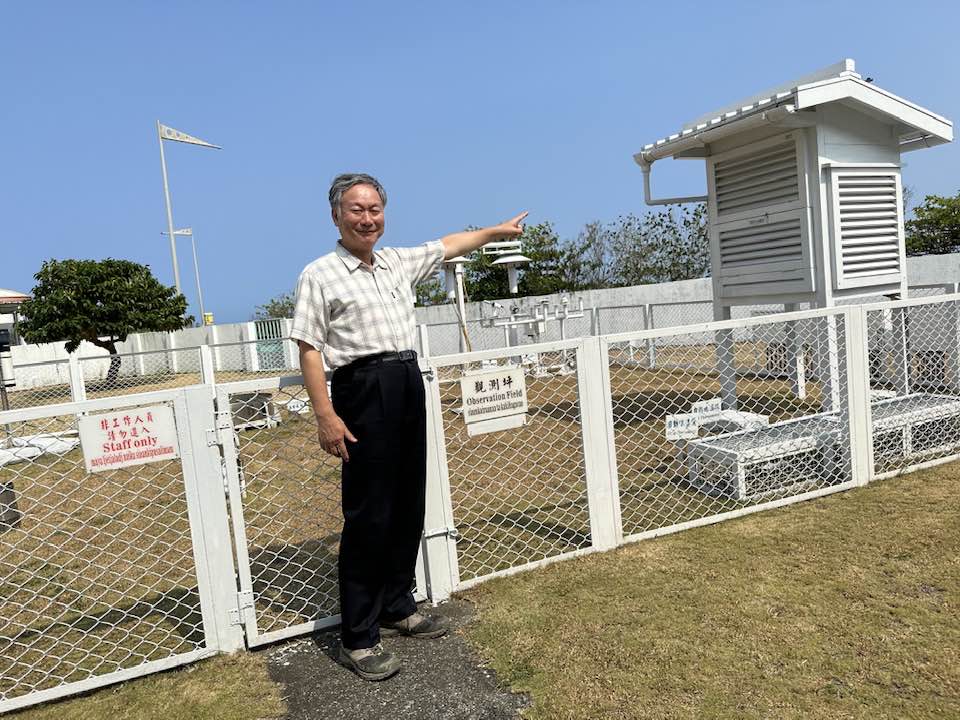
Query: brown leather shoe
{"x": 370, "y": 663}
{"x": 416, "y": 626}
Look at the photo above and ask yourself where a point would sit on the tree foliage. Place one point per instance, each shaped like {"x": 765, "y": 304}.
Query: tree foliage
{"x": 430, "y": 292}
{"x": 100, "y": 301}
{"x": 279, "y": 306}
{"x": 661, "y": 246}
{"x": 935, "y": 227}
{"x": 632, "y": 250}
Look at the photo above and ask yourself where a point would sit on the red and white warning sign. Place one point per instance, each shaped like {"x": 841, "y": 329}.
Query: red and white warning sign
{"x": 128, "y": 437}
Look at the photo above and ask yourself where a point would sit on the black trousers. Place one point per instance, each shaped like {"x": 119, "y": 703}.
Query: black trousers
{"x": 383, "y": 489}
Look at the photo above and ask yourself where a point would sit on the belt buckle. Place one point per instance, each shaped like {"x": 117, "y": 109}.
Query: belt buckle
{"x": 406, "y": 355}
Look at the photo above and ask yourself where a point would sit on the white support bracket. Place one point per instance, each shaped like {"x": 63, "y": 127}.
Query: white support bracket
{"x": 238, "y": 615}
{"x": 450, "y": 532}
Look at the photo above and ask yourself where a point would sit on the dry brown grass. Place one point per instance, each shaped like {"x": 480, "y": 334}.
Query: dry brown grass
{"x": 232, "y": 687}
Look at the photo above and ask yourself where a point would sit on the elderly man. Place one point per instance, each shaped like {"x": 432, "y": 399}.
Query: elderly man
{"x": 354, "y": 309}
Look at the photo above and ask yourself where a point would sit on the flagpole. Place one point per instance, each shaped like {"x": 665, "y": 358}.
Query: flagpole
{"x": 166, "y": 194}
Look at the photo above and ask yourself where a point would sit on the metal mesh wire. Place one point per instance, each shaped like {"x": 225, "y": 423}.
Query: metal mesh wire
{"x": 291, "y": 506}
{"x": 97, "y": 569}
{"x": 782, "y": 437}
{"x": 915, "y": 384}
{"x": 45, "y": 383}
{"x": 126, "y": 374}
{"x": 677, "y": 314}
{"x": 254, "y": 358}
{"x": 518, "y": 495}
{"x": 628, "y": 318}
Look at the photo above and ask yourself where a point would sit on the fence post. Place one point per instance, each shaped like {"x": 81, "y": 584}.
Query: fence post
{"x": 796, "y": 369}
{"x": 215, "y": 341}
{"x": 252, "y": 363}
{"x": 423, "y": 332}
{"x": 595, "y": 321}
{"x": 439, "y": 544}
{"x": 857, "y": 409}
{"x": 647, "y": 316}
{"x": 141, "y": 359}
{"x": 726, "y": 361}
{"x": 78, "y": 390}
{"x": 899, "y": 347}
{"x": 172, "y": 357}
{"x": 207, "y": 374}
{"x": 207, "y": 511}
{"x": 291, "y": 355}
{"x": 599, "y": 455}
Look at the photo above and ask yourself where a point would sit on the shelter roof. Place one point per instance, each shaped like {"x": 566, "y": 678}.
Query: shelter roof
{"x": 917, "y": 127}
{"x": 10, "y": 300}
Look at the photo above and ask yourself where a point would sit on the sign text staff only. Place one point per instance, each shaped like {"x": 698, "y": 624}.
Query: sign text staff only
{"x": 128, "y": 437}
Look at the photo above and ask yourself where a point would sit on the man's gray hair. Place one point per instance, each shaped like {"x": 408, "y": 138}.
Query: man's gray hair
{"x": 342, "y": 183}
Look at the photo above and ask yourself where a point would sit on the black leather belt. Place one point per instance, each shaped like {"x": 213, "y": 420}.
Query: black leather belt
{"x": 380, "y": 359}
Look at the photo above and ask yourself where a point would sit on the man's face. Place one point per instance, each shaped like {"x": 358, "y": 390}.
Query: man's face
{"x": 361, "y": 219}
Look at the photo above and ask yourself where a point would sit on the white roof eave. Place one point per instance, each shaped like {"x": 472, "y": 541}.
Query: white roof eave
{"x": 876, "y": 98}
{"x": 805, "y": 97}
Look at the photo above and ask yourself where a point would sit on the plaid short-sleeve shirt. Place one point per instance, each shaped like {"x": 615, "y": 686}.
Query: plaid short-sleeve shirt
{"x": 348, "y": 310}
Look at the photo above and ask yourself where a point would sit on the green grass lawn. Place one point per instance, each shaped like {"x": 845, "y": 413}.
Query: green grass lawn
{"x": 233, "y": 687}
{"x": 844, "y": 607}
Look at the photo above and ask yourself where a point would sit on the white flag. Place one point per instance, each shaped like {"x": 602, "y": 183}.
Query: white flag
{"x": 168, "y": 133}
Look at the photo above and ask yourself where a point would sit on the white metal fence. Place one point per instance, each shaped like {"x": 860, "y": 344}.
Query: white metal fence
{"x": 627, "y": 436}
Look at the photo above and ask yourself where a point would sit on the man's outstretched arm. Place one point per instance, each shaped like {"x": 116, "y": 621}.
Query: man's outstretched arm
{"x": 461, "y": 243}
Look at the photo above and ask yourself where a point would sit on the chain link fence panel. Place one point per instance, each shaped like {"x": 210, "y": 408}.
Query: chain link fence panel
{"x": 695, "y": 438}
{"x": 126, "y": 374}
{"x": 915, "y": 383}
{"x": 98, "y": 569}
{"x": 287, "y": 517}
{"x": 520, "y": 495}
{"x": 254, "y": 359}
{"x": 37, "y": 384}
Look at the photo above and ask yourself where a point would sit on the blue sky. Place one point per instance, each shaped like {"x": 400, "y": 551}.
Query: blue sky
{"x": 468, "y": 113}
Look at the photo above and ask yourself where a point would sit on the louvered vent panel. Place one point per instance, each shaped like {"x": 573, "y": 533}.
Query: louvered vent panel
{"x": 869, "y": 224}
{"x": 758, "y": 180}
{"x": 749, "y": 246}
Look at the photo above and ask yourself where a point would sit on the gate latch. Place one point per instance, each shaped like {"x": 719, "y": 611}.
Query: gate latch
{"x": 450, "y": 532}
{"x": 244, "y": 603}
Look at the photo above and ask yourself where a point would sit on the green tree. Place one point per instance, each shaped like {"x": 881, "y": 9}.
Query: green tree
{"x": 935, "y": 227}
{"x": 588, "y": 260}
{"x": 431, "y": 292}
{"x": 661, "y": 246}
{"x": 545, "y": 273}
{"x": 100, "y": 301}
{"x": 279, "y": 306}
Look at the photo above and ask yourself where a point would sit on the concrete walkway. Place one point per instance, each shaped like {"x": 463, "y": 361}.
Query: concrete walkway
{"x": 440, "y": 680}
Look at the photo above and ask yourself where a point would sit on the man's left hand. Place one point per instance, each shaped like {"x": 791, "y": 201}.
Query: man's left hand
{"x": 511, "y": 228}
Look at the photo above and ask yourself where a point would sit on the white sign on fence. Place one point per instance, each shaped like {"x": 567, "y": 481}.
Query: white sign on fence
{"x": 684, "y": 426}
{"x": 707, "y": 409}
{"x": 122, "y": 438}
{"x": 493, "y": 394}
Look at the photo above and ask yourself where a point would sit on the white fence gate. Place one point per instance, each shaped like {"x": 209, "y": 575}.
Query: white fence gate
{"x": 111, "y": 575}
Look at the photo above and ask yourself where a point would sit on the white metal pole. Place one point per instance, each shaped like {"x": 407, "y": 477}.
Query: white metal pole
{"x": 166, "y": 194}
{"x": 196, "y": 270}
{"x": 461, "y": 305}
